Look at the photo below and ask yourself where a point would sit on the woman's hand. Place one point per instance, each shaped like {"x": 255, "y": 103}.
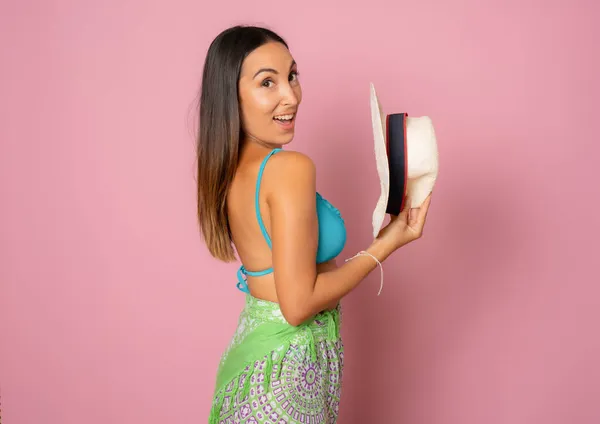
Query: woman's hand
{"x": 401, "y": 230}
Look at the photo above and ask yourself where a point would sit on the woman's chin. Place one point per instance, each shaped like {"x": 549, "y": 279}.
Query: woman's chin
{"x": 282, "y": 141}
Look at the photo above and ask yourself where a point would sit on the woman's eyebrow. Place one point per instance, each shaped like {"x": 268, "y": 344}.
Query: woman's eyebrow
{"x": 271, "y": 70}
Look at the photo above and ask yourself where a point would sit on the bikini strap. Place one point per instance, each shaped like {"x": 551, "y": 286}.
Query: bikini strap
{"x": 242, "y": 282}
{"x": 256, "y": 204}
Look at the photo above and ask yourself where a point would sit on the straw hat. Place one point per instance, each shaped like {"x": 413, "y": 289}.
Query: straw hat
{"x": 407, "y": 160}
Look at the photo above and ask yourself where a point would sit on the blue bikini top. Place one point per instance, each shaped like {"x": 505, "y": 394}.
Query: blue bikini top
{"x": 332, "y": 231}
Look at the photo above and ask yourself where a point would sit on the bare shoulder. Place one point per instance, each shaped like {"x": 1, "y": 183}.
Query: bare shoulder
{"x": 293, "y": 163}
{"x": 291, "y": 168}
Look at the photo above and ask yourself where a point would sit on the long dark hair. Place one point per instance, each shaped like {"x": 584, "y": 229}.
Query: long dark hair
{"x": 220, "y": 130}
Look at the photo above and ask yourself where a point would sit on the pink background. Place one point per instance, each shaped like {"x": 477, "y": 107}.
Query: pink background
{"x": 111, "y": 309}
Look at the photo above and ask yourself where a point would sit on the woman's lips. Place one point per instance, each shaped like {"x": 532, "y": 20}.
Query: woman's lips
{"x": 286, "y": 125}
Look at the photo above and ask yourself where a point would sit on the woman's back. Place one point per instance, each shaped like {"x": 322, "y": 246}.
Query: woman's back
{"x": 255, "y": 182}
{"x": 251, "y": 246}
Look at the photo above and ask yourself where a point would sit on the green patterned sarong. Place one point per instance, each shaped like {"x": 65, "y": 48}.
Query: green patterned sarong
{"x": 273, "y": 372}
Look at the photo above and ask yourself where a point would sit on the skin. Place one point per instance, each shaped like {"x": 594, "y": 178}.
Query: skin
{"x": 287, "y": 200}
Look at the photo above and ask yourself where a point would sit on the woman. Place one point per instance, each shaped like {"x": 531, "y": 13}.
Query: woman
{"x": 284, "y": 363}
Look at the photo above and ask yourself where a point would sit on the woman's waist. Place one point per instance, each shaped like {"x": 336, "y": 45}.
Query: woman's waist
{"x": 263, "y": 287}
{"x": 263, "y": 311}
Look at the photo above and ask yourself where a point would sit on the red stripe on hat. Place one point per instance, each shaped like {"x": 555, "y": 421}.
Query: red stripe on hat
{"x": 387, "y": 136}
{"x": 405, "y": 161}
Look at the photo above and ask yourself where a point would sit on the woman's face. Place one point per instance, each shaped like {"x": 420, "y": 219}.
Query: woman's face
{"x": 269, "y": 94}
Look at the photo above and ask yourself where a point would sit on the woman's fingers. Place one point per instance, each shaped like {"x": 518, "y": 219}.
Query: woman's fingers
{"x": 405, "y": 212}
{"x": 425, "y": 208}
{"x": 417, "y": 216}
{"x": 413, "y": 217}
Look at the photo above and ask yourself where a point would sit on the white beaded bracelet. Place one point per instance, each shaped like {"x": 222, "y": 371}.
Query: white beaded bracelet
{"x": 364, "y": 252}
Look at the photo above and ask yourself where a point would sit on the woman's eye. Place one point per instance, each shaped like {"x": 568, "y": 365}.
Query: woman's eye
{"x": 294, "y": 75}
{"x": 266, "y": 83}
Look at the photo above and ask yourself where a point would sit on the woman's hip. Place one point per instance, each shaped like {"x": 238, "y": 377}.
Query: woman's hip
{"x": 296, "y": 369}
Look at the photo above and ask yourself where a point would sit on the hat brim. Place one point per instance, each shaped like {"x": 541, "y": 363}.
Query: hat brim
{"x": 381, "y": 161}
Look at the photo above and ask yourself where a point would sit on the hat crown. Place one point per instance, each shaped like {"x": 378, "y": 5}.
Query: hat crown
{"x": 421, "y": 147}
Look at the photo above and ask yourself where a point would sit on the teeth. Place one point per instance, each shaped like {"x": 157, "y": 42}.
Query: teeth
{"x": 284, "y": 117}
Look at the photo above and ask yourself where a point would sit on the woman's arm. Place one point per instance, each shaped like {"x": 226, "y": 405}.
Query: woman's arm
{"x": 323, "y": 268}
{"x": 302, "y": 292}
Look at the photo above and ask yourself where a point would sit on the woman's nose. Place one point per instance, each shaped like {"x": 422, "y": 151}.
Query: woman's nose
{"x": 289, "y": 95}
